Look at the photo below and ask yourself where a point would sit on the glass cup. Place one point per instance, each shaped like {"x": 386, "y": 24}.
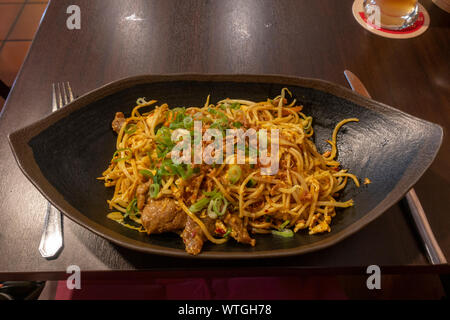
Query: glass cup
{"x": 392, "y": 14}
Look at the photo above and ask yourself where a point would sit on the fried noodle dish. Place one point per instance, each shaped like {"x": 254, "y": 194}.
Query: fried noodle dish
{"x": 216, "y": 202}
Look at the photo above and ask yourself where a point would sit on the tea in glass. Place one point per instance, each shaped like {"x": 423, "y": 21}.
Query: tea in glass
{"x": 393, "y": 14}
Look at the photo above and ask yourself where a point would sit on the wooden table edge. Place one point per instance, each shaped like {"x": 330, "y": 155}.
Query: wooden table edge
{"x": 142, "y": 275}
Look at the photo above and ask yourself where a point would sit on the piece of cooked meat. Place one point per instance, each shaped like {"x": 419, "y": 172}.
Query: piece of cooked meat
{"x": 141, "y": 194}
{"x": 238, "y": 230}
{"x": 193, "y": 236}
{"x": 163, "y": 216}
{"x": 118, "y": 121}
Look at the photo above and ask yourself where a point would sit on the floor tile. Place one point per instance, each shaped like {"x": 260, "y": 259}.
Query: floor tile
{"x": 8, "y": 13}
{"x": 11, "y": 58}
{"x": 28, "y": 22}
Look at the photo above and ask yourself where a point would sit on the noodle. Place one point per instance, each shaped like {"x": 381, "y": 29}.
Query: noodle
{"x": 301, "y": 195}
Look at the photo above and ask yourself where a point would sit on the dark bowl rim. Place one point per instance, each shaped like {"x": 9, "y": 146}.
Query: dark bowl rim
{"x": 23, "y": 155}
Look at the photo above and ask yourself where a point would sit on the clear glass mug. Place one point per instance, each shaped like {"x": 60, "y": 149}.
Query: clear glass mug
{"x": 392, "y": 14}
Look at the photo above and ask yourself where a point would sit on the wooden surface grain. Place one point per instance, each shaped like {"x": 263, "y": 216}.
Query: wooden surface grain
{"x": 317, "y": 39}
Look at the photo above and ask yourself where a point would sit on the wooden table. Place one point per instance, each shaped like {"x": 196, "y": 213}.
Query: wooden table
{"x": 316, "y": 39}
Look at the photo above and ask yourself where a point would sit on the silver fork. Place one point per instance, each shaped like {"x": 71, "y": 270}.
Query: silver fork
{"x": 52, "y": 236}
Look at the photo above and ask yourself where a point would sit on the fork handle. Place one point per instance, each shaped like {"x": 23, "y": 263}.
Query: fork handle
{"x": 52, "y": 238}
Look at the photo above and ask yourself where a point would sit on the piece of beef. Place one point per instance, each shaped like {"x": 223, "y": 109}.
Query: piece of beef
{"x": 193, "y": 236}
{"x": 163, "y": 216}
{"x": 118, "y": 121}
{"x": 238, "y": 230}
{"x": 141, "y": 194}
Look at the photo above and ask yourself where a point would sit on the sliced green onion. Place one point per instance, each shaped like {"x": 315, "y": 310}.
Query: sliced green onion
{"x": 152, "y": 164}
{"x": 162, "y": 151}
{"x": 154, "y": 190}
{"x": 122, "y": 159}
{"x": 212, "y": 194}
{"x": 224, "y": 206}
{"x": 199, "y": 205}
{"x": 287, "y": 233}
{"x": 188, "y": 122}
{"x": 164, "y": 143}
{"x": 217, "y": 207}
{"x": 284, "y": 224}
{"x": 223, "y": 106}
{"x": 216, "y": 202}
{"x": 179, "y": 110}
{"x": 217, "y": 125}
{"x": 163, "y": 131}
{"x": 251, "y": 183}
{"x": 212, "y": 111}
{"x": 237, "y": 124}
{"x": 130, "y": 128}
{"x": 234, "y": 173}
{"x": 227, "y": 233}
{"x": 181, "y": 172}
{"x": 177, "y": 169}
{"x": 190, "y": 171}
{"x": 206, "y": 119}
{"x": 168, "y": 164}
{"x": 147, "y": 173}
{"x": 222, "y": 115}
{"x": 132, "y": 208}
{"x": 235, "y": 105}
{"x": 160, "y": 172}
{"x": 211, "y": 212}
{"x": 176, "y": 125}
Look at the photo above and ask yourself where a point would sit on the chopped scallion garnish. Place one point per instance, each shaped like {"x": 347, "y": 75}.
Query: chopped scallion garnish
{"x": 199, "y": 205}
{"x": 130, "y": 128}
{"x": 235, "y": 105}
{"x": 188, "y": 122}
{"x": 251, "y": 183}
{"x": 227, "y": 233}
{"x": 217, "y": 207}
{"x": 122, "y": 159}
{"x": 284, "y": 224}
{"x": 132, "y": 208}
{"x": 287, "y": 233}
{"x": 154, "y": 190}
{"x": 234, "y": 173}
{"x": 146, "y": 173}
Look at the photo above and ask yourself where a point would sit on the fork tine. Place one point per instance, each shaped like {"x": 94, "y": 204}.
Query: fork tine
{"x": 65, "y": 93}
{"x": 70, "y": 92}
{"x": 62, "y": 95}
{"x": 54, "y": 103}
{"x": 60, "y": 104}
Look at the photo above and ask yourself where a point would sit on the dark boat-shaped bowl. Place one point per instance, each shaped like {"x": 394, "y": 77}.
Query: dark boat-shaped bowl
{"x": 63, "y": 154}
